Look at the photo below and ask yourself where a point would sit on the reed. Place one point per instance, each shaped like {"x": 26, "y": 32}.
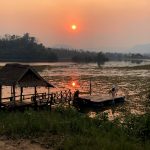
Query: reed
{"x": 77, "y": 131}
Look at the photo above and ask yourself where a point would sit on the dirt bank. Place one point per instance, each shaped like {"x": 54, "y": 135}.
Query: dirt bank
{"x": 21, "y": 144}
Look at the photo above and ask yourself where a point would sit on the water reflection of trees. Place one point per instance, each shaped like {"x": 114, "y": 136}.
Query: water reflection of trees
{"x": 100, "y": 64}
{"x": 101, "y": 59}
{"x": 136, "y": 61}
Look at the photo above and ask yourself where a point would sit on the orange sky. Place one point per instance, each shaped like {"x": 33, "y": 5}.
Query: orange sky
{"x": 101, "y": 23}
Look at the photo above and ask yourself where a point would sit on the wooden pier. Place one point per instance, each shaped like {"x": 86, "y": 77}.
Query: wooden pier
{"x": 24, "y": 76}
{"x": 36, "y": 102}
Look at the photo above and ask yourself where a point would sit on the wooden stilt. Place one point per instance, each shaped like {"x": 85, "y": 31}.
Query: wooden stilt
{"x": 49, "y": 99}
{"x": 11, "y": 91}
{"x": 35, "y": 92}
{"x": 0, "y": 94}
{"x": 69, "y": 99}
{"x": 48, "y": 93}
{"x": 14, "y": 94}
{"x": 90, "y": 87}
{"x": 21, "y": 91}
{"x": 34, "y": 99}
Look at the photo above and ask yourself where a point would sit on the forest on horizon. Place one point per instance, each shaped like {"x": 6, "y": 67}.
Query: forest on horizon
{"x": 26, "y": 48}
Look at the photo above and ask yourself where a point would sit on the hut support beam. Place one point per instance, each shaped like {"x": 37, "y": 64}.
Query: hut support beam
{"x": 0, "y": 94}
{"x": 48, "y": 93}
{"x": 21, "y": 91}
{"x": 35, "y": 92}
{"x": 49, "y": 98}
{"x": 14, "y": 94}
{"x": 90, "y": 87}
{"x": 11, "y": 91}
{"x": 34, "y": 98}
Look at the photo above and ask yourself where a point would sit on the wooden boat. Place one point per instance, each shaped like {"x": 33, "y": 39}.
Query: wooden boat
{"x": 97, "y": 101}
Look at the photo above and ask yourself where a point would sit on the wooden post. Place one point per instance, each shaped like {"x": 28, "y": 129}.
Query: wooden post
{"x": 48, "y": 92}
{"x": 51, "y": 100}
{"x": 34, "y": 99}
{"x": 35, "y": 92}
{"x": 21, "y": 91}
{"x": 14, "y": 94}
{"x": 61, "y": 94}
{"x": 0, "y": 94}
{"x": 69, "y": 100}
{"x": 90, "y": 87}
{"x": 11, "y": 91}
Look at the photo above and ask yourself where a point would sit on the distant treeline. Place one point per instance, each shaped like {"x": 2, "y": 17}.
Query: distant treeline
{"x": 80, "y": 56}
{"x": 26, "y": 48}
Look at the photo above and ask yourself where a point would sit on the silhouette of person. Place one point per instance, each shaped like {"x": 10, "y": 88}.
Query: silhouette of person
{"x": 113, "y": 92}
{"x": 76, "y": 94}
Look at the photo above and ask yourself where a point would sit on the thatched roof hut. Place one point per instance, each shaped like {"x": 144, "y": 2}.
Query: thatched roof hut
{"x": 22, "y": 76}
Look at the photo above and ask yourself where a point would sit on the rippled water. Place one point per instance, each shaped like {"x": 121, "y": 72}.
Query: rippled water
{"x": 131, "y": 83}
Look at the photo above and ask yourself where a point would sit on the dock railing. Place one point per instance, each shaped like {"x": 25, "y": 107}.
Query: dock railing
{"x": 40, "y": 99}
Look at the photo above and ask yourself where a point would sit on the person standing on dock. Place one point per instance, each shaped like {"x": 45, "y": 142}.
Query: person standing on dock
{"x": 114, "y": 93}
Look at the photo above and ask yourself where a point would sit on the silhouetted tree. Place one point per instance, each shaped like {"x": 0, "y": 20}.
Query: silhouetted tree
{"x": 25, "y": 48}
{"x": 101, "y": 58}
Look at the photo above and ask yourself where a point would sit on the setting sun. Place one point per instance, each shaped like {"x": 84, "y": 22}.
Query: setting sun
{"x": 73, "y": 84}
{"x": 73, "y": 27}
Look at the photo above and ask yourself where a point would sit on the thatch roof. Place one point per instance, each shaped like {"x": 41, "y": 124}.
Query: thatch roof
{"x": 21, "y": 75}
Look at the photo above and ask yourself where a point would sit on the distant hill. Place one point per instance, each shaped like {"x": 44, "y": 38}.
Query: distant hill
{"x": 143, "y": 49}
{"x": 26, "y": 48}
{"x": 61, "y": 46}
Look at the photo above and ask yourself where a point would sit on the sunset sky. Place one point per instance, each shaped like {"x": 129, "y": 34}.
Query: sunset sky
{"x": 101, "y": 24}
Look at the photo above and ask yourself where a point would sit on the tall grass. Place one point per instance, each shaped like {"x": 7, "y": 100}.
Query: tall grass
{"x": 78, "y": 131}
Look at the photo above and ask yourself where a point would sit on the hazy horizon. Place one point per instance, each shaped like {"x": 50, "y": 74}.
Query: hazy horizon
{"x": 118, "y": 25}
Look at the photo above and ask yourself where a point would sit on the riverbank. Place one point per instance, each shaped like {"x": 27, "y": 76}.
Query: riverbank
{"x": 19, "y": 144}
{"x": 68, "y": 129}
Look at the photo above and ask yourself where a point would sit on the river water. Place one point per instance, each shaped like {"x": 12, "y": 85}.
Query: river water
{"x": 132, "y": 83}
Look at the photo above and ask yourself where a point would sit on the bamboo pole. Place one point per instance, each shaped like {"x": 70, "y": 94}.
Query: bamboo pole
{"x": 34, "y": 98}
{"x": 14, "y": 94}
{"x": 90, "y": 87}
{"x": 0, "y": 94}
{"x": 48, "y": 92}
{"x": 35, "y": 92}
{"x": 11, "y": 91}
{"x": 69, "y": 100}
{"x": 51, "y": 99}
{"x": 21, "y": 91}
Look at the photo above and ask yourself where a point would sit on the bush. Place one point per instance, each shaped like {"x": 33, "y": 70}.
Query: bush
{"x": 77, "y": 130}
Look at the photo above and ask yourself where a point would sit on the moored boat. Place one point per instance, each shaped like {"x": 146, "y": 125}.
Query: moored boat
{"x": 97, "y": 101}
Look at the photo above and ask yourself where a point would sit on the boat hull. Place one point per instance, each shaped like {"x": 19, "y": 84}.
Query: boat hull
{"x": 83, "y": 102}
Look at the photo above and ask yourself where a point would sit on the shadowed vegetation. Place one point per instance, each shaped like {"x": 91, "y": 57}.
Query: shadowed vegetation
{"x": 25, "y": 48}
{"x": 70, "y": 129}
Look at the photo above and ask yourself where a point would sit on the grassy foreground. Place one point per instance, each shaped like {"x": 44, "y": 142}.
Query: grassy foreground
{"x": 66, "y": 129}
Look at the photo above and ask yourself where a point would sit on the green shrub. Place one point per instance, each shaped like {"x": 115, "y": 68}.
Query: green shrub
{"x": 78, "y": 130}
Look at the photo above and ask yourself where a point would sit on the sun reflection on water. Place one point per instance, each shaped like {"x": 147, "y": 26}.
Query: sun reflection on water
{"x": 131, "y": 83}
